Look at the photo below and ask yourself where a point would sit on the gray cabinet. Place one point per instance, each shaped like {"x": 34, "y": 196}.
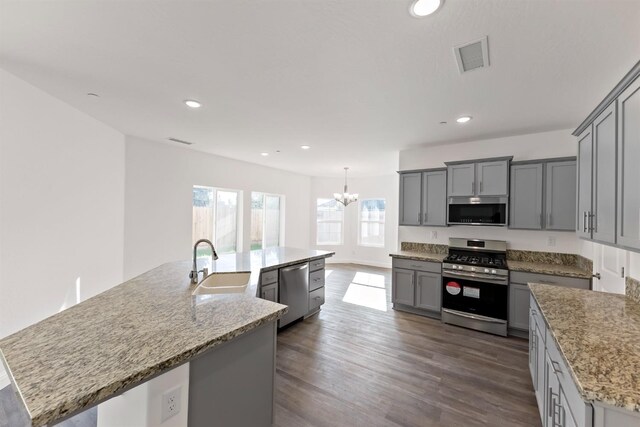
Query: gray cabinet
{"x": 525, "y": 210}
{"x": 434, "y": 197}
{"x": 560, "y": 205}
{"x": 488, "y": 177}
{"x": 403, "y": 290}
{"x": 428, "y": 291}
{"x": 629, "y": 167}
{"x": 410, "y": 191}
{"x": 461, "y": 179}
{"x": 543, "y": 195}
{"x": 269, "y": 292}
{"x": 519, "y": 296}
{"x": 603, "y": 218}
{"x": 492, "y": 178}
{"x": 585, "y": 161}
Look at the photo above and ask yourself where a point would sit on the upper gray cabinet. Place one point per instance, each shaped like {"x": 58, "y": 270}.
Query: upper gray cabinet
{"x": 481, "y": 178}
{"x": 543, "y": 195}
{"x": 603, "y": 202}
{"x": 525, "y": 210}
{"x": 410, "y": 190}
{"x": 608, "y": 167}
{"x": 560, "y": 201}
{"x": 492, "y": 178}
{"x": 461, "y": 179}
{"x": 423, "y": 197}
{"x": 434, "y": 197}
{"x": 629, "y": 167}
{"x": 585, "y": 160}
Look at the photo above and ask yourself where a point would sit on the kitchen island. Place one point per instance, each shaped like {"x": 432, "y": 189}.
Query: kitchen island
{"x": 147, "y": 327}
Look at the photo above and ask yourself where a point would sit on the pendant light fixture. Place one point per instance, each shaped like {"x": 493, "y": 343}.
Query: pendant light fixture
{"x": 345, "y": 198}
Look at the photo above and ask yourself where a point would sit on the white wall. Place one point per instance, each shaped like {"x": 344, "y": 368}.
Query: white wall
{"x": 158, "y": 200}
{"x": 385, "y": 187}
{"x": 61, "y": 205}
{"x": 522, "y": 147}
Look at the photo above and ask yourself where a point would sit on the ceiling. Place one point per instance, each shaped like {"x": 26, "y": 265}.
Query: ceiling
{"x": 357, "y": 80}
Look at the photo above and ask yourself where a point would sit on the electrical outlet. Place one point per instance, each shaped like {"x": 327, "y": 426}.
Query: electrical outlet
{"x": 171, "y": 403}
{"x": 551, "y": 241}
{"x": 434, "y": 235}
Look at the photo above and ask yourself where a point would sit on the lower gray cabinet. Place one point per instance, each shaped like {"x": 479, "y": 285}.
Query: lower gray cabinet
{"x": 403, "y": 289}
{"x": 428, "y": 291}
{"x": 519, "y": 306}
{"x": 269, "y": 292}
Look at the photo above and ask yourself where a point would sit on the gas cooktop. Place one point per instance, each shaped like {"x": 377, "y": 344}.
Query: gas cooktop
{"x": 480, "y": 261}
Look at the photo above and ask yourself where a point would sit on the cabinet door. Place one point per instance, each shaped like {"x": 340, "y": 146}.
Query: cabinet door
{"x": 519, "y": 306}
{"x": 428, "y": 291}
{"x": 604, "y": 176}
{"x": 560, "y": 191}
{"x": 552, "y": 403}
{"x": 629, "y": 166}
{"x": 541, "y": 392}
{"x": 410, "y": 192}
{"x": 492, "y": 178}
{"x": 270, "y": 292}
{"x": 525, "y": 210}
{"x": 533, "y": 353}
{"x": 585, "y": 144}
{"x": 403, "y": 289}
{"x": 434, "y": 198}
{"x": 461, "y": 180}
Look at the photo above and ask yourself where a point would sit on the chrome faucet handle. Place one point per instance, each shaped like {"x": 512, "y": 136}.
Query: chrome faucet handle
{"x": 205, "y": 272}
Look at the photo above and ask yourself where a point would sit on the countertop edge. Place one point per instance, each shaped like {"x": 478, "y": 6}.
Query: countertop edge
{"x": 549, "y": 271}
{"x": 117, "y": 387}
{"x": 298, "y": 261}
{"x": 587, "y": 397}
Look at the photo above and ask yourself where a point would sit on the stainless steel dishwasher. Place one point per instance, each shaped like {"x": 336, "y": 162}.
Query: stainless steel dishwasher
{"x": 294, "y": 292}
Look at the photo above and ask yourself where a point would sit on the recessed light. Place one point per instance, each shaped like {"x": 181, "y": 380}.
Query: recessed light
{"x": 95, "y": 95}
{"x": 192, "y": 103}
{"x": 265, "y": 154}
{"x": 463, "y": 119}
{"x": 422, "y": 8}
{"x": 443, "y": 123}
{"x": 305, "y": 147}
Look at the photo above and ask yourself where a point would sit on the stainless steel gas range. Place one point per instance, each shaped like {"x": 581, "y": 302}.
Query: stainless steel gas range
{"x": 475, "y": 285}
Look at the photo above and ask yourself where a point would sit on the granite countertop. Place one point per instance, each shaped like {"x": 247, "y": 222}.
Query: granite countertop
{"x": 554, "y": 269}
{"x": 133, "y": 332}
{"x": 598, "y": 334}
{"x": 419, "y": 256}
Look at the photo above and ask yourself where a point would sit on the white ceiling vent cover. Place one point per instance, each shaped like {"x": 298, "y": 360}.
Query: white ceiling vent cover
{"x": 473, "y": 55}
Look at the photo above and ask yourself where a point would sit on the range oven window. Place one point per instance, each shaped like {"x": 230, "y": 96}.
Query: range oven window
{"x": 485, "y": 299}
{"x": 486, "y": 213}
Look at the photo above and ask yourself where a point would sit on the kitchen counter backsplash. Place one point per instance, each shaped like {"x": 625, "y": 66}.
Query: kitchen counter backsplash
{"x": 633, "y": 288}
{"x": 432, "y": 248}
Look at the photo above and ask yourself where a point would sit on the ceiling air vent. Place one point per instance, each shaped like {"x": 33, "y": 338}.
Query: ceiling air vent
{"x": 473, "y": 55}
{"x": 180, "y": 141}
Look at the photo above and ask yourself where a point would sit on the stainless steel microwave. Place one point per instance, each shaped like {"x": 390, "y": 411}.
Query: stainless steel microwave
{"x": 477, "y": 211}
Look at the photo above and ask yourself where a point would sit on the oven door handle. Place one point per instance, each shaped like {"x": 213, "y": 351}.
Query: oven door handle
{"x": 473, "y": 316}
{"x": 475, "y": 277}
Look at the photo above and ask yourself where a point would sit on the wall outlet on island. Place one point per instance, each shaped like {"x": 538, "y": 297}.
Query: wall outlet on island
{"x": 551, "y": 241}
{"x": 434, "y": 235}
{"x": 170, "y": 403}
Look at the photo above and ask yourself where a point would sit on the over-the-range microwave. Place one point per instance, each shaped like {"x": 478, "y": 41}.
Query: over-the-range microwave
{"x": 477, "y": 211}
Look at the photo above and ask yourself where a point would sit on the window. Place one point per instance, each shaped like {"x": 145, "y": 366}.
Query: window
{"x": 330, "y": 222}
{"x": 215, "y": 217}
{"x": 371, "y": 217}
{"x": 266, "y": 220}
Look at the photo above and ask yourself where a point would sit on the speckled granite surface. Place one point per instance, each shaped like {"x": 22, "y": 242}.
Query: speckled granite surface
{"x": 542, "y": 257}
{"x": 419, "y": 256}
{"x": 553, "y": 269}
{"x": 632, "y": 288}
{"x": 132, "y": 332}
{"x": 599, "y": 336}
{"x": 432, "y": 248}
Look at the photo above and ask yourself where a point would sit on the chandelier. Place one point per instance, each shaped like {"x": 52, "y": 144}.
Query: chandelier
{"x": 345, "y": 198}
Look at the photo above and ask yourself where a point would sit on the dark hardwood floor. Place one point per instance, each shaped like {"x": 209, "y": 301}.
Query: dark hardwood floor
{"x": 354, "y": 365}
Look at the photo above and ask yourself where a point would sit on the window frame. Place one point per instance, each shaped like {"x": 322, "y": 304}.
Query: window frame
{"x": 361, "y": 221}
{"x": 239, "y": 207}
{"x": 331, "y": 221}
{"x": 281, "y": 235}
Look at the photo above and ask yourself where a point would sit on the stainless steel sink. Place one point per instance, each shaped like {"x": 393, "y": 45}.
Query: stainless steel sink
{"x": 224, "y": 283}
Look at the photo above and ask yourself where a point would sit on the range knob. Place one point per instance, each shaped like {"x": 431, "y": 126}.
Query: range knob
{"x": 486, "y": 270}
{"x": 493, "y": 272}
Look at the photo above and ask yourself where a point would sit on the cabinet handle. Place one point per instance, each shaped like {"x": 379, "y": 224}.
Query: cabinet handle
{"x": 548, "y": 219}
{"x": 584, "y": 222}
{"x": 555, "y": 366}
{"x": 425, "y": 217}
{"x": 473, "y": 187}
{"x": 481, "y": 186}
{"x": 419, "y": 217}
{"x": 594, "y": 223}
{"x": 540, "y": 220}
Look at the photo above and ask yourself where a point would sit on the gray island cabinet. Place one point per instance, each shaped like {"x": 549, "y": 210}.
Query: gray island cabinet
{"x": 137, "y": 338}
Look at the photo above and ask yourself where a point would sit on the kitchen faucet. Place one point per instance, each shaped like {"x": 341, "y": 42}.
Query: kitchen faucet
{"x": 194, "y": 271}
